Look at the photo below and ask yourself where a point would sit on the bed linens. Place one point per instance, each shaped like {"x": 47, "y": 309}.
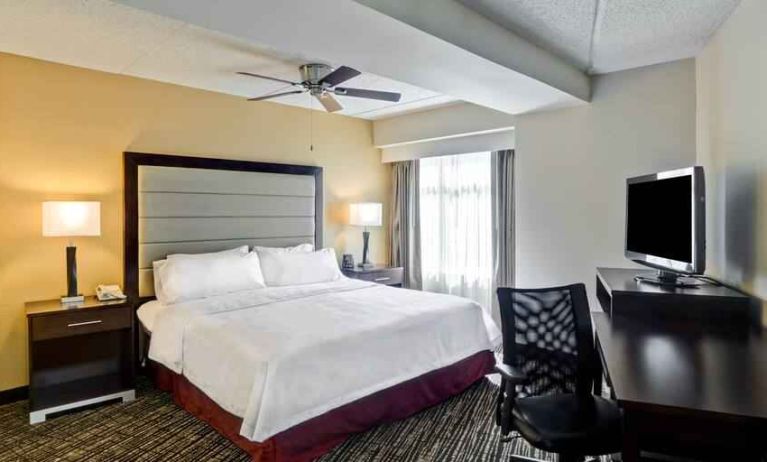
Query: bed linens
{"x": 279, "y": 356}
{"x": 187, "y": 278}
{"x": 159, "y": 265}
{"x": 147, "y": 313}
{"x": 298, "y": 268}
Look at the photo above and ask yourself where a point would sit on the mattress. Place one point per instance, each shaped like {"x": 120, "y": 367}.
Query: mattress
{"x": 147, "y": 313}
{"x": 280, "y": 356}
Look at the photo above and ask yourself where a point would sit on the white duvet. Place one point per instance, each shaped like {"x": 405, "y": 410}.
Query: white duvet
{"x": 279, "y": 356}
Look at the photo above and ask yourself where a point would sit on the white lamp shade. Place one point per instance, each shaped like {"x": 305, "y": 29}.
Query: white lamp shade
{"x": 71, "y": 218}
{"x": 365, "y": 214}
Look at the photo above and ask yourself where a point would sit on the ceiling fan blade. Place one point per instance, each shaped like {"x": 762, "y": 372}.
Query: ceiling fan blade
{"x": 342, "y": 74}
{"x": 329, "y": 103}
{"x": 261, "y": 98}
{"x": 371, "y": 94}
{"x": 275, "y": 79}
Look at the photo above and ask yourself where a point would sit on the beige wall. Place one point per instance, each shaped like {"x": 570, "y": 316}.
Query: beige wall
{"x": 732, "y": 145}
{"x": 571, "y": 167}
{"x": 62, "y": 134}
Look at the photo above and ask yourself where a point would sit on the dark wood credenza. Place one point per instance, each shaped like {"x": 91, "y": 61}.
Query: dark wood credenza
{"x": 688, "y": 368}
{"x": 620, "y": 294}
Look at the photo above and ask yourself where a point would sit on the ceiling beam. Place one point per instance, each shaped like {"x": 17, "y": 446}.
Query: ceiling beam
{"x": 454, "y": 23}
{"x": 455, "y": 120}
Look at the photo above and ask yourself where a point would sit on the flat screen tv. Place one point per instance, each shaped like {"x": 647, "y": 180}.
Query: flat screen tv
{"x": 666, "y": 222}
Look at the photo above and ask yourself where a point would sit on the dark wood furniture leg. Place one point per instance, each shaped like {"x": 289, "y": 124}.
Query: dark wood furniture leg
{"x": 598, "y": 373}
{"x": 630, "y": 450}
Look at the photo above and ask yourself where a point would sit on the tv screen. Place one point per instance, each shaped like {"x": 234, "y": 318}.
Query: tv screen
{"x": 659, "y": 220}
{"x": 666, "y": 220}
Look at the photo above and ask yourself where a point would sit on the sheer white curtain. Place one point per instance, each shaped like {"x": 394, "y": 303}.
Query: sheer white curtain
{"x": 456, "y": 226}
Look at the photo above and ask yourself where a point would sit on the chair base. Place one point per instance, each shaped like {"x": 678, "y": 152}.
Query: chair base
{"x": 515, "y": 458}
{"x": 523, "y": 459}
{"x": 560, "y": 459}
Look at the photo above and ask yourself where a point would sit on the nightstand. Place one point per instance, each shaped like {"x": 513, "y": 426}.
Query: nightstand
{"x": 386, "y": 275}
{"x": 79, "y": 355}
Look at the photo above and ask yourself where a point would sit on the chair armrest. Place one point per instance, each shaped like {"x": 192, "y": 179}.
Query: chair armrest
{"x": 511, "y": 374}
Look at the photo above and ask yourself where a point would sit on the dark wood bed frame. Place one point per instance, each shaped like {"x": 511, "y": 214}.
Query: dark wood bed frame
{"x": 316, "y": 436}
{"x": 131, "y": 163}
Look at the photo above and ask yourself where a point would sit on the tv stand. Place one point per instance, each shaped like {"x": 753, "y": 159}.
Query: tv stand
{"x": 667, "y": 279}
{"x": 620, "y": 294}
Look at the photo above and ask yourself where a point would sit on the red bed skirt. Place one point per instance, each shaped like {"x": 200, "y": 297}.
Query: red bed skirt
{"x": 315, "y": 437}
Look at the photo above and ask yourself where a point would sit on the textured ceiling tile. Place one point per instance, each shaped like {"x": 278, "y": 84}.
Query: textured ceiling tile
{"x": 635, "y": 33}
{"x": 560, "y": 26}
{"x": 629, "y": 33}
{"x": 96, "y": 34}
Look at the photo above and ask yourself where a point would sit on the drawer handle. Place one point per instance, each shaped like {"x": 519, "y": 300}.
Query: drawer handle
{"x": 84, "y": 323}
{"x": 381, "y": 279}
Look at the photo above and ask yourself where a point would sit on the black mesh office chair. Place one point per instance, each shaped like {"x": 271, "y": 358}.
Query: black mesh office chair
{"x": 548, "y": 373}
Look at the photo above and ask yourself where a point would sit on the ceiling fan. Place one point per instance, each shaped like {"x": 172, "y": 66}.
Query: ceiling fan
{"x": 320, "y": 81}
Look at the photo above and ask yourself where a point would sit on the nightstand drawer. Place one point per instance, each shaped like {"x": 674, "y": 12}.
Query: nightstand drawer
{"x": 80, "y": 322}
{"x": 388, "y": 276}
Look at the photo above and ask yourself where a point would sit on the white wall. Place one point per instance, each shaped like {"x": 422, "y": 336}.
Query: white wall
{"x": 572, "y": 164}
{"x": 571, "y": 167}
{"x": 732, "y": 145}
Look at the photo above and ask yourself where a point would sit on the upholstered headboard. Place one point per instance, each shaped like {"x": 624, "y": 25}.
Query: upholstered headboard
{"x": 176, "y": 204}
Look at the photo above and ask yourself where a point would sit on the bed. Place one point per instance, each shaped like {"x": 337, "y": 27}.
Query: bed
{"x": 285, "y": 372}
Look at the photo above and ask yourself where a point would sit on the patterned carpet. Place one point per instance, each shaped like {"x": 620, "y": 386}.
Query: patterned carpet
{"x": 153, "y": 428}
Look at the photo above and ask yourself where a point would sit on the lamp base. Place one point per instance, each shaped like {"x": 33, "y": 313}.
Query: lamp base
{"x": 365, "y": 246}
{"x": 366, "y": 266}
{"x": 67, "y": 300}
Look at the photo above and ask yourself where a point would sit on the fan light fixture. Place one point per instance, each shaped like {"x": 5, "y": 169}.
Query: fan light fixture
{"x": 320, "y": 81}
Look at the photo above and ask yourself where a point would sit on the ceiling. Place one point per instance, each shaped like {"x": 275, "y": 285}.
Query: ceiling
{"x": 111, "y": 37}
{"x": 600, "y": 36}
{"x": 202, "y": 43}
{"x": 514, "y": 56}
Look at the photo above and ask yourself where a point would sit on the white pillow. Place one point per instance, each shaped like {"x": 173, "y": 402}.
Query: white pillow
{"x": 185, "y": 279}
{"x": 294, "y": 268}
{"x": 294, "y": 249}
{"x": 241, "y": 250}
{"x": 158, "y": 264}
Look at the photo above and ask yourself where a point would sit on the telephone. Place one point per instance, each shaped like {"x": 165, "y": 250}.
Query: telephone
{"x": 109, "y": 292}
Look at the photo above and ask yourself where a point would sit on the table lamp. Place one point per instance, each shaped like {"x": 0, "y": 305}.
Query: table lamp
{"x": 71, "y": 219}
{"x": 365, "y": 214}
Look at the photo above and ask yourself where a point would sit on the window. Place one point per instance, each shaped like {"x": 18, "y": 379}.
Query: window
{"x": 456, "y": 225}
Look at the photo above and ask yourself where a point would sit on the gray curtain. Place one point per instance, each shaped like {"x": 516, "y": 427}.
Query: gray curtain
{"x": 503, "y": 221}
{"x": 405, "y": 232}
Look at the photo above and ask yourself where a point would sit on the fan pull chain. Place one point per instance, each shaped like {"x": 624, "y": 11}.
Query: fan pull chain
{"x": 311, "y": 124}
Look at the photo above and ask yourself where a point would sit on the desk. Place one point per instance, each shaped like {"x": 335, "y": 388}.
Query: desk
{"x": 686, "y": 390}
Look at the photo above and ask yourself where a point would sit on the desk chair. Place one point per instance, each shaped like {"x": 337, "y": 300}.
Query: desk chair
{"x": 548, "y": 373}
